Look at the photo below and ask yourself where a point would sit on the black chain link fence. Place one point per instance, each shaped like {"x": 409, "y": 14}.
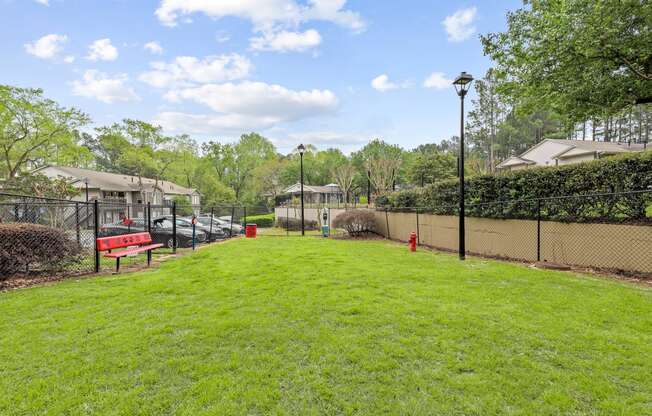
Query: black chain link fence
{"x": 43, "y": 236}
{"x": 600, "y": 231}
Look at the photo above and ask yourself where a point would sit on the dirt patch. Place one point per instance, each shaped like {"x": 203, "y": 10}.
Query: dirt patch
{"x": 367, "y": 236}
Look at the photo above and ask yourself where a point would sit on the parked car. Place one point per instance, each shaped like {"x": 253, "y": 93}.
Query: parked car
{"x": 161, "y": 231}
{"x": 224, "y": 225}
{"x": 209, "y": 235}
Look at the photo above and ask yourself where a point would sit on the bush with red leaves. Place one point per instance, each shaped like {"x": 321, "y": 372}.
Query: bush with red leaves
{"x": 356, "y": 222}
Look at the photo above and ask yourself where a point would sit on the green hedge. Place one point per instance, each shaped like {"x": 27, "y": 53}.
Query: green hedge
{"x": 294, "y": 224}
{"x": 514, "y": 194}
{"x": 263, "y": 221}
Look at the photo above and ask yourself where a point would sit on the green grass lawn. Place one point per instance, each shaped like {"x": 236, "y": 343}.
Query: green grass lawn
{"x": 314, "y": 326}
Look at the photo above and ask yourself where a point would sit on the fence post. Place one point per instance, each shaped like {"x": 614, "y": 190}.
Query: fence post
{"x": 232, "y": 215}
{"x": 210, "y": 230}
{"x": 149, "y": 230}
{"x": 77, "y": 223}
{"x": 128, "y": 218}
{"x": 538, "y": 229}
{"x": 389, "y": 237}
{"x": 330, "y": 222}
{"x": 96, "y": 229}
{"x": 244, "y": 213}
{"x": 418, "y": 232}
{"x": 287, "y": 220}
{"x": 174, "y": 227}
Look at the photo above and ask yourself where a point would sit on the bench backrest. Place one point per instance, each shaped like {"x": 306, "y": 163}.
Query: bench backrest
{"x": 121, "y": 241}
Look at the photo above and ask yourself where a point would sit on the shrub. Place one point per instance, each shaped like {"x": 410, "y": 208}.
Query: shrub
{"x": 294, "y": 224}
{"x": 262, "y": 221}
{"x": 25, "y": 246}
{"x": 356, "y": 222}
{"x": 502, "y": 196}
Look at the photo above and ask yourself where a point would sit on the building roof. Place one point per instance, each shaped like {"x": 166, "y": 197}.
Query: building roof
{"x": 116, "y": 182}
{"x": 581, "y": 147}
{"x": 573, "y": 148}
{"x": 313, "y": 189}
{"x": 515, "y": 161}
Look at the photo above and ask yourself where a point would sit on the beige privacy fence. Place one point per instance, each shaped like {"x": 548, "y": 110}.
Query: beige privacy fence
{"x": 607, "y": 246}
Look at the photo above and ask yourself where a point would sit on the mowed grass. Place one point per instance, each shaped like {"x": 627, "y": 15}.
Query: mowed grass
{"x": 309, "y": 326}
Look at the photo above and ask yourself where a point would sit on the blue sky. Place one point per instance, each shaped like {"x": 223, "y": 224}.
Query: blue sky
{"x": 333, "y": 73}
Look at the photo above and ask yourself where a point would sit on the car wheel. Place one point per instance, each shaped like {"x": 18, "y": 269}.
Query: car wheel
{"x": 170, "y": 243}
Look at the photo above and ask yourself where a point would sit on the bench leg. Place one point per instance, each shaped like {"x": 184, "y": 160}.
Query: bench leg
{"x": 117, "y": 264}
{"x": 149, "y": 257}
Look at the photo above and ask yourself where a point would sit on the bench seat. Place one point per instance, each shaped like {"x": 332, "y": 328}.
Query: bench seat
{"x": 123, "y": 253}
{"x": 143, "y": 241}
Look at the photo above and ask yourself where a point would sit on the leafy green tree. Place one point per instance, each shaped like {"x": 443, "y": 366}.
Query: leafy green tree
{"x": 235, "y": 163}
{"x": 267, "y": 180}
{"x": 34, "y": 130}
{"x": 580, "y": 58}
{"x": 483, "y": 120}
{"x": 214, "y": 193}
{"x": 41, "y": 186}
{"x": 220, "y": 157}
{"x": 184, "y": 208}
{"x": 431, "y": 167}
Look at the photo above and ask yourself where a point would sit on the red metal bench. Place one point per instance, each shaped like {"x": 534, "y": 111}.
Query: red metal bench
{"x": 143, "y": 241}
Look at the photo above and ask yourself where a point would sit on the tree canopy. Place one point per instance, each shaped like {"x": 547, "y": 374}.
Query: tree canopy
{"x": 579, "y": 58}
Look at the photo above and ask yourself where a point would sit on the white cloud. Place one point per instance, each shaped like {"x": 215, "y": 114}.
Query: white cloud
{"x": 104, "y": 88}
{"x": 437, "y": 80}
{"x": 177, "y": 122}
{"x": 285, "y": 41}
{"x": 259, "y": 99}
{"x": 383, "y": 84}
{"x": 185, "y": 70}
{"x": 102, "y": 49}
{"x": 154, "y": 47}
{"x": 459, "y": 25}
{"x": 69, "y": 59}
{"x": 47, "y": 47}
{"x": 245, "y": 106}
{"x": 43, "y": 2}
{"x": 331, "y": 10}
{"x": 324, "y": 139}
{"x": 263, "y": 13}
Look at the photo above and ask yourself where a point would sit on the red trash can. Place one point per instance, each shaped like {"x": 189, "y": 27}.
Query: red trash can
{"x": 250, "y": 230}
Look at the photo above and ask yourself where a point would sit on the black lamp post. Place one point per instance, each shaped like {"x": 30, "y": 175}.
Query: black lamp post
{"x": 462, "y": 84}
{"x": 302, "y": 150}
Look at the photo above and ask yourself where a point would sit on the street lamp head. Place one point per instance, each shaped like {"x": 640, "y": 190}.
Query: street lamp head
{"x": 462, "y": 83}
{"x": 301, "y": 149}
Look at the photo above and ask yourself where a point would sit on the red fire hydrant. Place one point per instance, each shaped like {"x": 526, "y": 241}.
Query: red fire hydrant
{"x": 413, "y": 241}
